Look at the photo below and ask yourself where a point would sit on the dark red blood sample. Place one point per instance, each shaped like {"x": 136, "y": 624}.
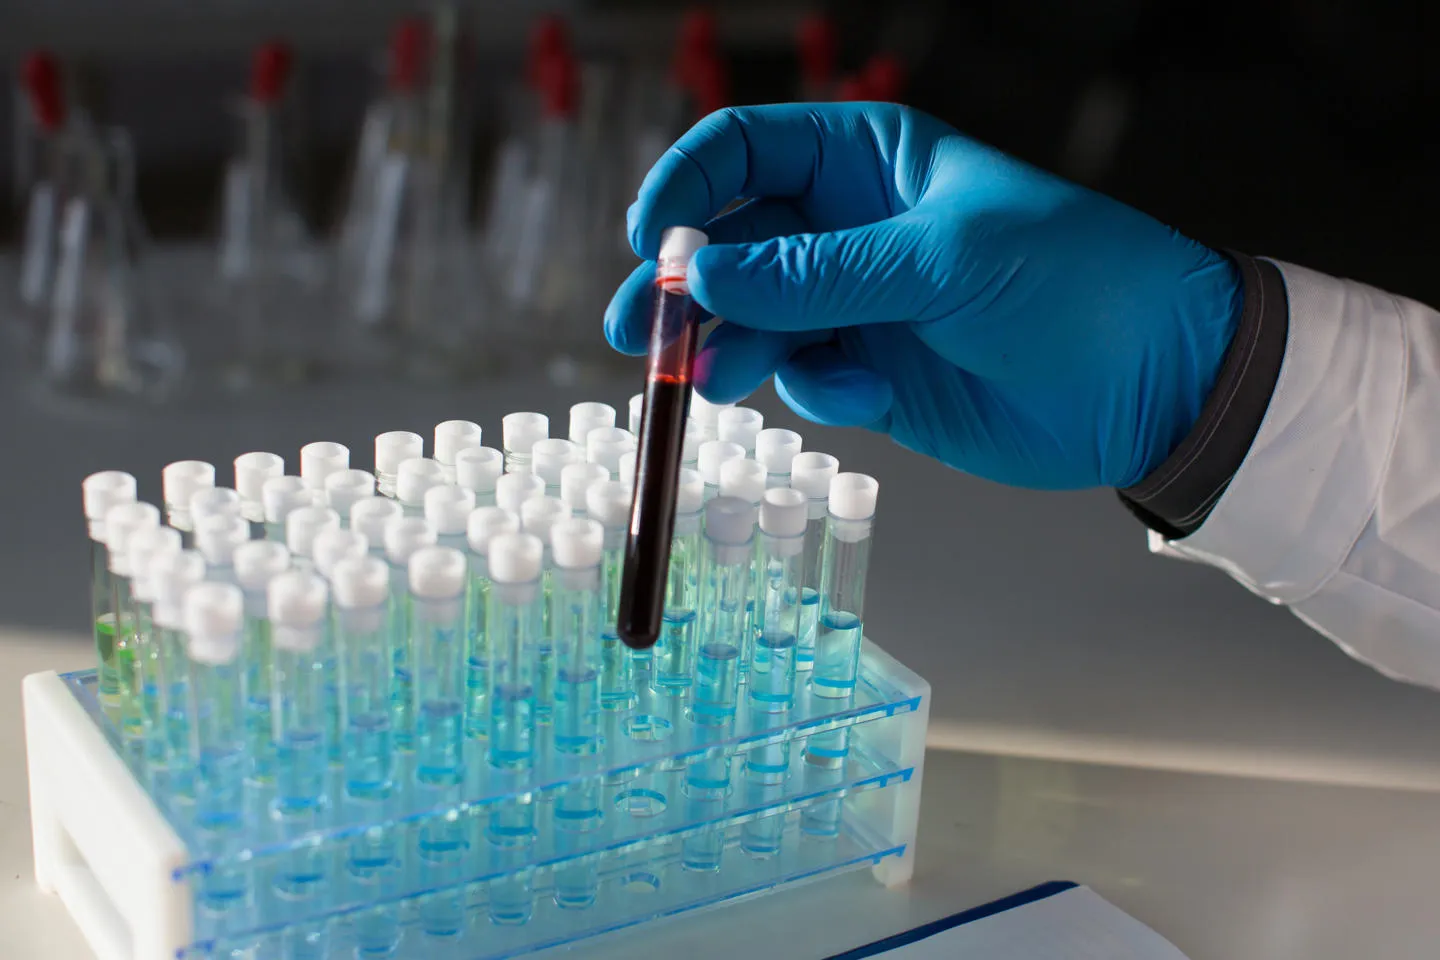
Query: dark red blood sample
{"x": 270, "y": 71}
{"x": 41, "y": 74}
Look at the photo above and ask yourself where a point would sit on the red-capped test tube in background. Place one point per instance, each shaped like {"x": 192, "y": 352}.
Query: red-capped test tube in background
{"x": 673, "y": 335}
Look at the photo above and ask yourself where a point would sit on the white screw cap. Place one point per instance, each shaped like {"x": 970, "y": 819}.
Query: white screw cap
{"x": 853, "y": 496}
{"x": 437, "y": 573}
{"x": 712, "y": 454}
{"x": 416, "y": 476}
{"x": 320, "y": 459}
{"x": 253, "y": 469}
{"x": 218, "y": 537}
{"x": 609, "y": 503}
{"x": 690, "y": 446}
{"x": 604, "y": 445}
{"x": 302, "y": 526}
{"x": 550, "y": 456}
{"x": 576, "y": 479}
{"x": 625, "y": 469}
{"x": 358, "y": 583}
{"x": 122, "y": 522}
{"x": 280, "y": 495}
{"x": 577, "y": 543}
{"x": 172, "y": 575}
{"x": 539, "y": 514}
{"x": 742, "y": 478}
{"x": 515, "y": 558}
{"x": 811, "y": 473}
{"x": 690, "y": 495}
{"x": 740, "y": 425}
{"x": 635, "y": 411}
{"x": 106, "y": 489}
{"x": 296, "y": 598}
{"x": 783, "y": 512}
{"x": 368, "y": 517}
{"x": 394, "y": 448}
{"x": 513, "y": 489}
{"x": 588, "y": 416}
{"x": 180, "y": 480}
{"x": 706, "y": 414}
{"x": 214, "y": 502}
{"x": 729, "y": 521}
{"x": 213, "y": 615}
{"x": 486, "y": 524}
{"x": 345, "y": 488}
{"x": 447, "y": 508}
{"x": 519, "y": 432}
{"x": 677, "y": 246}
{"x": 334, "y": 545}
{"x": 257, "y": 562}
{"x": 452, "y": 436}
{"x": 775, "y": 448}
{"x": 145, "y": 547}
{"x": 477, "y": 468}
{"x": 404, "y": 535}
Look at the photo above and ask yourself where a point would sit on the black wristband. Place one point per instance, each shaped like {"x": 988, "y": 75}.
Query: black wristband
{"x": 1177, "y": 496}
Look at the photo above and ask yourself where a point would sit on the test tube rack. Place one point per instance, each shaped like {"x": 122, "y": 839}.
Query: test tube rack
{"x": 143, "y": 884}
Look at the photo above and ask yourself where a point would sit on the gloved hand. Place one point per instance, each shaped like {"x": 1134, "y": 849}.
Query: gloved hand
{"x": 895, "y": 274}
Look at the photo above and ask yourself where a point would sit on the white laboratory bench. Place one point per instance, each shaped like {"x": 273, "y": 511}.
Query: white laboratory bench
{"x": 1227, "y": 866}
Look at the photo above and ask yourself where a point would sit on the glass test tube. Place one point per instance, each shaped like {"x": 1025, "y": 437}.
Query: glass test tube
{"x": 550, "y": 457}
{"x": 100, "y": 492}
{"x": 297, "y": 603}
{"x": 519, "y": 434}
{"x": 403, "y": 536}
{"x": 575, "y": 482}
{"x": 213, "y": 502}
{"x": 811, "y": 473}
{"x": 437, "y": 580}
{"x": 122, "y": 522}
{"x": 257, "y": 562}
{"x": 706, "y": 417}
{"x": 712, "y": 455}
{"x": 369, "y": 517}
{"x": 635, "y": 412}
{"x": 416, "y": 477}
{"x": 477, "y": 469}
{"x": 644, "y": 591}
{"x": 302, "y": 526}
{"x": 740, "y": 425}
{"x": 279, "y": 496}
{"x": 172, "y": 574}
{"x": 513, "y": 489}
{"x": 775, "y": 449}
{"x": 608, "y": 503}
{"x": 140, "y": 717}
{"x": 604, "y": 447}
{"x": 589, "y": 416}
{"x": 217, "y": 539}
{"x": 451, "y": 437}
{"x": 180, "y": 481}
{"x": 318, "y": 461}
{"x": 674, "y": 654}
{"x": 537, "y": 516}
{"x": 345, "y": 488}
{"x": 447, "y": 510}
{"x": 251, "y": 472}
{"x": 392, "y": 449}
{"x": 484, "y": 525}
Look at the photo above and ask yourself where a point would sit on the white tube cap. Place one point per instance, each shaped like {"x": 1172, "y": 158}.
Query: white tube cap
{"x": 304, "y": 524}
{"x": 218, "y": 537}
{"x": 214, "y": 502}
{"x": 520, "y": 432}
{"x": 742, "y": 478}
{"x": 712, "y": 454}
{"x": 180, "y": 480}
{"x": 213, "y": 615}
{"x": 576, "y": 479}
{"x": 706, "y": 414}
{"x": 604, "y": 446}
{"x": 515, "y": 558}
{"x": 253, "y": 469}
{"x": 106, "y": 489}
{"x": 296, "y": 598}
{"x": 853, "y": 496}
{"x": 452, "y": 436}
{"x": 729, "y": 521}
{"x": 394, "y": 448}
{"x": 588, "y": 416}
{"x": 513, "y": 489}
{"x": 281, "y": 495}
{"x": 345, "y": 488}
{"x": 486, "y": 524}
{"x": 448, "y": 508}
{"x": 577, "y": 543}
{"x": 625, "y": 469}
{"x": 608, "y": 502}
{"x": 437, "y": 573}
{"x": 172, "y": 575}
{"x": 122, "y": 522}
{"x": 404, "y": 535}
{"x": 144, "y": 548}
{"x": 334, "y": 545}
{"x": 368, "y": 517}
{"x": 690, "y": 494}
{"x": 775, "y": 449}
{"x": 783, "y": 512}
{"x": 677, "y": 246}
{"x": 257, "y": 562}
{"x": 477, "y": 468}
{"x": 415, "y": 477}
{"x": 740, "y": 425}
{"x": 635, "y": 410}
{"x": 358, "y": 583}
{"x": 550, "y": 456}
{"x": 539, "y": 514}
{"x": 694, "y": 436}
{"x": 811, "y": 473}
{"x": 320, "y": 459}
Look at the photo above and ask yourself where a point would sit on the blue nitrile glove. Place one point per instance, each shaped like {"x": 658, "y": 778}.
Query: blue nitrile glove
{"x": 895, "y": 274}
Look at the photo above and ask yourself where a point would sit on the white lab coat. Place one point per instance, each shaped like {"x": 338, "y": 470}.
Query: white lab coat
{"x": 1335, "y": 511}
